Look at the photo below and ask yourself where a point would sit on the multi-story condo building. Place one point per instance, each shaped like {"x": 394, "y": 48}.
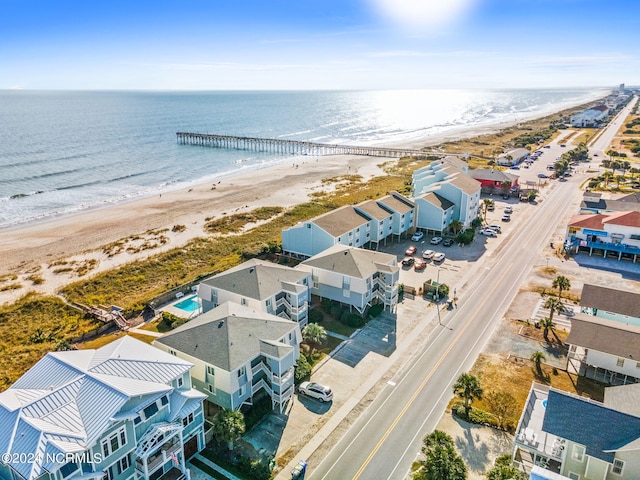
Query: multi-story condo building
{"x": 238, "y": 352}
{"x": 354, "y": 277}
{"x": 449, "y": 179}
{"x": 364, "y": 225}
{"x": 123, "y": 411}
{"x": 263, "y": 286}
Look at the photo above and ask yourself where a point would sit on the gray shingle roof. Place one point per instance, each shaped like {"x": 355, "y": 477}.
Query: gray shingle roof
{"x": 600, "y": 429}
{"x": 397, "y": 203}
{"x": 354, "y": 262}
{"x": 228, "y": 336}
{"x": 611, "y": 300}
{"x": 608, "y": 336}
{"x": 465, "y": 183}
{"x": 256, "y": 279}
{"x": 437, "y": 200}
{"x": 340, "y": 221}
{"x": 624, "y": 398}
{"x": 492, "y": 174}
{"x": 371, "y": 208}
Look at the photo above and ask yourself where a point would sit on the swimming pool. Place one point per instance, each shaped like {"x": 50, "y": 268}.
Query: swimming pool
{"x": 189, "y": 304}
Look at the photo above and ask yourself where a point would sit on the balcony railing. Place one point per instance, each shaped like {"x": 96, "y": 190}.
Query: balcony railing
{"x": 611, "y": 246}
{"x": 164, "y": 454}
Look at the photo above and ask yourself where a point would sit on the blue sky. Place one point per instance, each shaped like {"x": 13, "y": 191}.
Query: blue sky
{"x": 318, "y": 44}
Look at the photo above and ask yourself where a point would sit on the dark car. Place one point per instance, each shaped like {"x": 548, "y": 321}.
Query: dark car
{"x": 447, "y": 242}
{"x": 542, "y": 175}
{"x": 408, "y": 261}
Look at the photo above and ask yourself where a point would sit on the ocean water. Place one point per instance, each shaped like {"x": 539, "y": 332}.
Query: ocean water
{"x": 62, "y": 152}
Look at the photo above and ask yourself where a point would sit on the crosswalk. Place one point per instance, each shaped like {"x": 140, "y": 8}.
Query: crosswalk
{"x": 561, "y": 320}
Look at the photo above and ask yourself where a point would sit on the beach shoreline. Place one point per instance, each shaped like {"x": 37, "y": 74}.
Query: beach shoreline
{"x": 177, "y": 216}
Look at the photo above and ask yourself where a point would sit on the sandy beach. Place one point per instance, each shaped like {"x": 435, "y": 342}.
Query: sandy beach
{"x": 60, "y": 250}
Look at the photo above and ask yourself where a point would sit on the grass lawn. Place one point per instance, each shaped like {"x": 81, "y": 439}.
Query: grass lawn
{"x": 515, "y": 377}
{"x": 106, "y": 339}
{"x": 332, "y": 325}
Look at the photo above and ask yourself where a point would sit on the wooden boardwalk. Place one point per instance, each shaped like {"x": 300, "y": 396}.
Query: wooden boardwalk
{"x": 294, "y": 147}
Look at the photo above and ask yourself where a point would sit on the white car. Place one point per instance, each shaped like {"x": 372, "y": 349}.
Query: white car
{"x": 508, "y": 209}
{"x": 417, "y": 236}
{"x": 497, "y": 228}
{"x": 315, "y": 390}
{"x": 428, "y": 254}
{"x": 438, "y": 257}
{"x": 436, "y": 240}
{"x": 488, "y": 232}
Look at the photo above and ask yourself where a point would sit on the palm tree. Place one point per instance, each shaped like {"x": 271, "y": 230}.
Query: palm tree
{"x": 619, "y": 178}
{"x": 607, "y": 177}
{"x": 441, "y": 459}
{"x": 547, "y": 324}
{"x": 634, "y": 171}
{"x": 538, "y": 357}
{"x": 456, "y": 226}
{"x": 561, "y": 283}
{"x": 228, "y": 425}
{"x": 486, "y": 203}
{"x": 554, "y": 305}
{"x": 467, "y": 387}
{"x": 314, "y": 334}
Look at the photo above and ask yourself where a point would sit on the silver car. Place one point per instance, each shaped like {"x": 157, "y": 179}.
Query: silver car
{"x": 315, "y": 390}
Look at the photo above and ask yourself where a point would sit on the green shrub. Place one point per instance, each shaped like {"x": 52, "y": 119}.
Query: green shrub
{"x": 376, "y": 310}
{"x": 352, "y": 320}
{"x": 315, "y": 316}
{"x": 170, "y": 321}
{"x": 326, "y": 303}
{"x": 303, "y": 370}
{"x": 466, "y": 237}
{"x": 336, "y": 311}
{"x": 480, "y": 417}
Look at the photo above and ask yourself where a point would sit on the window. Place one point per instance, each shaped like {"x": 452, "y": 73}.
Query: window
{"x": 187, "y": 420}
{"x": 137, "y": 420}
{"x": 618, "y": 467}
{"x": 164, "y": 400}
{"x": 115, "y": 441}
{"x": 172, "y": 352}
{"x": 620, "y": 362}
{"x": 268, "y": 303}
{"x": 123, "y": 464}
{"x": 210, "y": 370}
{"x": 308, "y": 225}
{"x": 574, "y": 476}
{"x": 180, "y": 382}
{"x": 211, "y": 389}
{"x": 578, "y": 453}
{"x": 151, "y": 410}
{"x": 108, "y": 474}
{"x": 241, "y": 371}
{"x": 68, "y": 468}
{"x": 242, "y": 391}
{"x": 243, "y": 301}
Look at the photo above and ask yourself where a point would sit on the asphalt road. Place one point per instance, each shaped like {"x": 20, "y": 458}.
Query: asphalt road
{"x": 386, "y": 438}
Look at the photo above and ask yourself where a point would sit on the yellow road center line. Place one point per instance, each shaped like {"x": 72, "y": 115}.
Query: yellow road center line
{"x": 428, "y": 377}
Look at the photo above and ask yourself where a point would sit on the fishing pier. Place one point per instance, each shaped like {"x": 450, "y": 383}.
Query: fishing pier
{"x": 293, "y": 147}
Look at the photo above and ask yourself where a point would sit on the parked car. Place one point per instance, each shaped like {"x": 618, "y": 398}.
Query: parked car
{"x": 420, "y": 264}
{"x": 317, "y": 391}
{"x": 417, "y": 236}
{"x": 438, "y": 257}
{"x": 506, "y": 218}
{"x": 508, "y": 209}
{"x": 488, "y": 232}
{"x": 515, "y": 167}
{"x": 563, "y": 145}
{"x": 491, "y": 207}
{"x": 547, "y": 146}
{"x": 542, "y": 175}
{"x": 428, "y": 254}
{"x": 408, "y": 261}
{"x": 436, "y": 240}
{"x": 497, "y": 228}
{"x": 447, "y": 242}
{"x": 595, "y": 154}
{"x": 411, "y": 250}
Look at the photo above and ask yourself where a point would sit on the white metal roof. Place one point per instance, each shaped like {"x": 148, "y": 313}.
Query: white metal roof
{"x": 66, "y": 401}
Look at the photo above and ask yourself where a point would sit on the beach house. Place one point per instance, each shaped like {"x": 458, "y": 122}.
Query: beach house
{"x": 591, "y": 117}
{"x": 610, "y": 234}
{"x": 564, "y": 436}
{"x": 611, "y": 304}
{"x": 355, "y": 277}
{"x": 238, "y": 353}
{"x": 435, "y": 213}
{"x": 263, "y": 286}
{"x": 122, "y": 411}
{"x": 604, "y": 350}
{"x": 495, "y": 181}
{"x": 364, "y": 225}
{"x": 513, "y": 157}
{"x": 449, "y": 179}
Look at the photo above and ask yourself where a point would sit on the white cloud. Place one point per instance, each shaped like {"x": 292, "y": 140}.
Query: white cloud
{"x": 567, "y": 61}
{"x": 423, "y": 13}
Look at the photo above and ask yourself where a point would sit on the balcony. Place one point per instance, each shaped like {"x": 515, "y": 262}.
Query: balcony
{"x": 533, "y": 445}
{"x": 161, "y": 457}
{"x": 607, "y": 246}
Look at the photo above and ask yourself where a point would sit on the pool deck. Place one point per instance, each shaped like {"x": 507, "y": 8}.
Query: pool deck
{"x": 171, "y": 308}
